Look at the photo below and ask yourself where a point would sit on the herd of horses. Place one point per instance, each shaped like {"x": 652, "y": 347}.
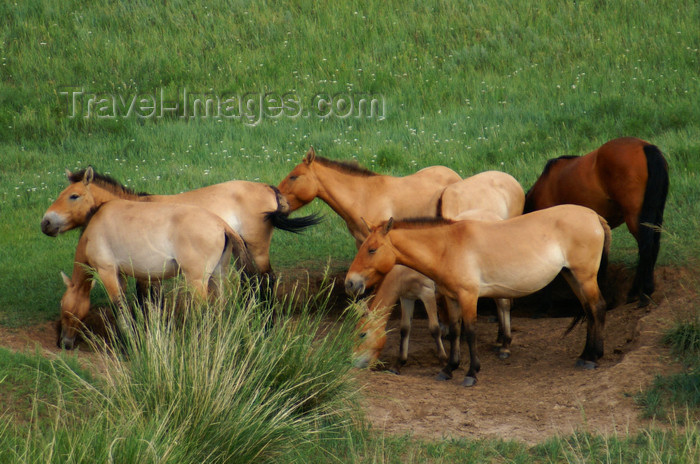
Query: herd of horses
{"x": 424, "y": 236}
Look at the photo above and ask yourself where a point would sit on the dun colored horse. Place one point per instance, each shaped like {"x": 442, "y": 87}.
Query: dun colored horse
{"x": 488, "y": 196}
{"x": 503, "y": 259}
{"x": 625, "y": 180}
{"x": 147, "y": 241}
{"x": 353, "y": 193}
{"x": 252, "y": 209}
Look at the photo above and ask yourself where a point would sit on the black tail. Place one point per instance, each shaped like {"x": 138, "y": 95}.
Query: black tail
{"x": 280, "y": 218}
{"x": 295, "y": 225}
{"x": 650, "y": 219}
{"x": 603, "y": 269}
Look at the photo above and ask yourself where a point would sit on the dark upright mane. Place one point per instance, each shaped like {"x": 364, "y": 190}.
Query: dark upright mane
{"x": 421, "y": 222}
{"x": 349, "y": 167}
{"x": 551, "y": 162}
{"x": 106, "y": 182}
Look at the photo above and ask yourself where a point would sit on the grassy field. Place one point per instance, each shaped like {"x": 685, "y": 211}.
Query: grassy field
{"x": 470, "y": 85}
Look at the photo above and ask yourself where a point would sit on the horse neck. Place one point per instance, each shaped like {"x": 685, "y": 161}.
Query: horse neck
{"x": 102, "y": 195}
{"x": 340, "y": 191}
{"x": 420, "y": 249}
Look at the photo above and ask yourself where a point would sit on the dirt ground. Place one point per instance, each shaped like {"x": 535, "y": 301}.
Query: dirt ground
{"x": 535, "y": 394}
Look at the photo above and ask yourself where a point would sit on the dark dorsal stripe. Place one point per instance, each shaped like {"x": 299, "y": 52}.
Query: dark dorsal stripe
{"x": 349, "y": 167}
{"x": 421, "y": 222}
{"x": 106, "y": 182}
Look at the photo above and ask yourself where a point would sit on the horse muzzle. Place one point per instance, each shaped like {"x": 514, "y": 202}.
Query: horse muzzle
{"x": 50, "y": 226}
{"x": 354, "y": 285}
{"x": 362, "y": 362}
{"x": 65, "y": 342}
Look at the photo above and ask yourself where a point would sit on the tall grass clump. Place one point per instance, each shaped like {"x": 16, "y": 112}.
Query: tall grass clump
{"x": 217, "y": 382}
{"x": 679, "y": 391}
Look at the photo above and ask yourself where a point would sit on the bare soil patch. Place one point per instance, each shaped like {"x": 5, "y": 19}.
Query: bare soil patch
{"x": 535, "y": 394}
{"x": 538, "y": 392}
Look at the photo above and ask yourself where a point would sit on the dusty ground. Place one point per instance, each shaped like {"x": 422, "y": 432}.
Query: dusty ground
{"x": 535, "y": 394}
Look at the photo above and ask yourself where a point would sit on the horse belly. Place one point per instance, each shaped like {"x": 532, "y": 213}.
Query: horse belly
{"x": 151, "y": 258}
{"x": 517, "y": 279}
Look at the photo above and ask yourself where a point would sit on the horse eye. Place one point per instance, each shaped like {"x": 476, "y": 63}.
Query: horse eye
{"x": 293, "y": 177}
{"x": 363, "y": 334}
{"x": 75, "y": 196}
{"x": 372, "y": 251}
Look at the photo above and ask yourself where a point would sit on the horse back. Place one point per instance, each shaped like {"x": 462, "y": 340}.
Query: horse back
{"x": 609, "y": 180}
{"x": 415, "y": 195}
{"x": 492, "y": 191}
{"x": 241, "y": 204}
{"x": 143, "y": 239}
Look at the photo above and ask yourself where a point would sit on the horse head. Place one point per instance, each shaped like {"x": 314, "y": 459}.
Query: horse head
{"x": 375, "y": 258}
{"x": 75, "y": 305}
{"x": 301, "y": 184}
{"x": 372, "y": 334}
{"x": 73, "y": 206}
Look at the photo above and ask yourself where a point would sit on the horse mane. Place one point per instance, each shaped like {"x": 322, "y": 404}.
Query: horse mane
{"x": 349, "y": 167}
{"x": 108, "y": 183}
{"x": 550, "y": 163}
{"x": 421, "y": 222}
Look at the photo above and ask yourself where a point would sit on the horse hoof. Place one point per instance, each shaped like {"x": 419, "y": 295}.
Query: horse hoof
{"x": 644, "y": 301}
{"x": 504, "y": 354}
{"x": 394, "y": 370}
{"x": 469, "y": 381}
{"x": 586, "y": 365}
{"x": 442, "y": 376}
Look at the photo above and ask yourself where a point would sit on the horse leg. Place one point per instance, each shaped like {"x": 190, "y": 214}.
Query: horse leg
{"x": 430, "y": 303}
{"x": 588, "y": 293}
{"x": 632, "y": 222}
{"x": 112, "y": 283}
{"x": 453, "y": 337}
{"x": 504, "y": 333}
{"x": 648, "y": 241}
{"x": 467, "y": 302}
{"x": 407, "y": 307}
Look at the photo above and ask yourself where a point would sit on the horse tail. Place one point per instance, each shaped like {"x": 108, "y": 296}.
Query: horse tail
{"x": 652, "y": 215}
{"x": 438, "y": 210}
{"x": 294, "y": 225}
{"x": 603, "y": 269}
{"x": 239, "y": 249}
{"x": 280, "y": 217}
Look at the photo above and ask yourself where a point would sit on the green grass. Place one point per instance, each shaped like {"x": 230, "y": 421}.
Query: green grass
{"x": 471, "y": 85}
{"x": 211, "y": 383}
{"x": 680, "y": 391}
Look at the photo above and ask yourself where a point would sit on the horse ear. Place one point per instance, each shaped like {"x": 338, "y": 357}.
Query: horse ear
{"x": 389, "y": 224}
{"x": 68, "y": 173}
{"x": 369, "y": 228}
{"x": 89, "y": 175}
{"x": 310, "y": 156}
{"x": 66, "y": 280}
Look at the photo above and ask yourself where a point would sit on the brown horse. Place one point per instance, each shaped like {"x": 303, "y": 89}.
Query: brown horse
{"x": 625, "y": 180}
{"x": 504, "y": 259}
{"x": 148, "y": 241}
{"x": 487, "y": 196}
{"x": 354, "y": 193}
{"x": 251, "y": 209}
